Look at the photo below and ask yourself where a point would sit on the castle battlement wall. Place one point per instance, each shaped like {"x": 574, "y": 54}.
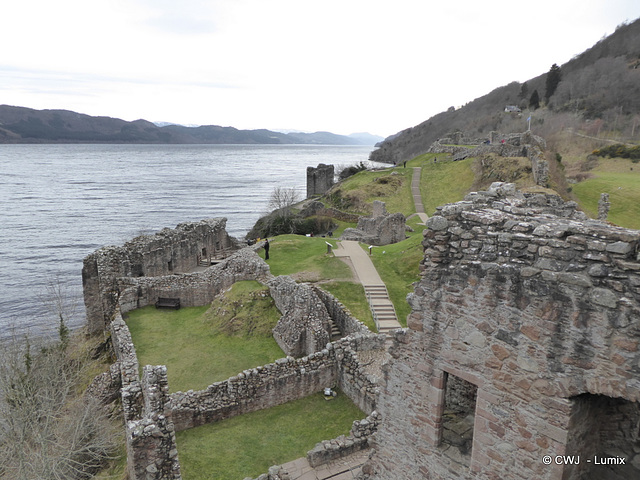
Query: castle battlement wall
{"x": 523, "y": 342}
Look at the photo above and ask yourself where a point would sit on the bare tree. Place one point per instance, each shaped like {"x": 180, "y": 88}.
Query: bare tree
{"x": 282, "y": 199}
{"x": 62, "y": 304}
{"x": 48, "y": 429}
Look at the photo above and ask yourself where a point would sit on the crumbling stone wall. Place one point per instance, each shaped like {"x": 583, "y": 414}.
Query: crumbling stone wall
{"x": 346, "y": 323}
{"x": 319, "y": 179}
{"x": 358, "y": 439}
{"x": 304, "y": 327}
{"x": 282, "y": 381}
{"x": 318, "y": 208}
{"x": 151, "y": 444}
{"x": 255, "y": 389}
{"x": 168, "y": 252}
{"x": 534, "y": 305}
{"x": 193, "y": 289}
{"x": 380, "y": 229}
{"x": 510, "y": 145}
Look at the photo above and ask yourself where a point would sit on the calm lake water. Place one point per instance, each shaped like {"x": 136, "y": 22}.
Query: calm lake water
{"x": 61, "y": 202}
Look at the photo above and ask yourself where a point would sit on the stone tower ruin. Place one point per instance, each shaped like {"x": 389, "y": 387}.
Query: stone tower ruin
{"x": 319, "y": 179}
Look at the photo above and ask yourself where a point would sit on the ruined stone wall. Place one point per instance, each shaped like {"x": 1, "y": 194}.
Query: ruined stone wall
{"x": 504, "y": 145}
{"x": 152, "y": 453}
{"x": 149, "y": 431}
{"x": 535, "y": 308}
{"x": 358, "y": 439}
{"x": 193, "y": 289}
{"x": 354, "y": 378}
{"x": 285, "y": 380}
{"x": 380, "y": 229}
{"x": 304, "y": 327}
{"x": 346, "y": 323}
{"x": 319, "y": 179}
{"x": 168, "y": 252}
{"x": 318, "y": 208}
{"x": 255, "y": 389}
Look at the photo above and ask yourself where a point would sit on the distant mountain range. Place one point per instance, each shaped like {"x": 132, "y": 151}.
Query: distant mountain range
{"x": 26, "y": 125}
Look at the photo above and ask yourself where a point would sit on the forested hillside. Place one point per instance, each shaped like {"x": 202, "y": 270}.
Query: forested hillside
{"x": 596, "y": 93}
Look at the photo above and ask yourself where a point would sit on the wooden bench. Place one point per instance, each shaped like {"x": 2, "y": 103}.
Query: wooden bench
{"x": 164, "y": 302}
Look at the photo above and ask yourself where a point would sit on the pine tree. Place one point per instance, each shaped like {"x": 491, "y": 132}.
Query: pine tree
{"x": 534, "y": 101}
{"x": 553, "y": 79}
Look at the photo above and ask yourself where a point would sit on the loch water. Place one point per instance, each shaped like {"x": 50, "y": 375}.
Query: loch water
{"x": 58, "y": 203}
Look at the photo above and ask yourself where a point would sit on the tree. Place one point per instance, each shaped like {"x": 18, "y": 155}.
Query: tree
{"x": 553, "y": 79}
{"x": 282, "y": 199}
{"x": 524, "y": 90}
{"x": 534, "y": 101}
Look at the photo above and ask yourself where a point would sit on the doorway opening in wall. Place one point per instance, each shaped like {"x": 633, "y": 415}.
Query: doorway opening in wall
{"x": 458, "y": 418}
{"x": 605, "y": 433}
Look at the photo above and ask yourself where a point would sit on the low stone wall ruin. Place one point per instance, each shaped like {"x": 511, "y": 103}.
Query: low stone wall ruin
{"x": 380, "y": 229}
{"x": 318, "y": 208}
{"x": 358, "y": 439}
{"x": 193, "y": 289}
{"x": 515, "y": 145}
{"x": 304, "y": 327}
{"x": 285, "y": 380}
{"x": 346, "y": 323}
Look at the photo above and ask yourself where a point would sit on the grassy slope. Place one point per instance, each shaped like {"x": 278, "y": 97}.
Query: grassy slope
{"x": 249, "y": 444}
{"x": 443, "y": 182}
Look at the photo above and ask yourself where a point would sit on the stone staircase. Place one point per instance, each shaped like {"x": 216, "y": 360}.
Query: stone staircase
{"x": 335, "y": 331}
{"x": 384, "y": 314}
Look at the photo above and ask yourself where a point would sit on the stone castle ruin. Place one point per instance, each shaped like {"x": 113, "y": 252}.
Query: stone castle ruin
{"x": 521, "y": 358}
{"x": 504, "y": 145}
{"x": 120, "y": 279}
{"x": 146, "y": 262}
{"x": 381, "y": 228}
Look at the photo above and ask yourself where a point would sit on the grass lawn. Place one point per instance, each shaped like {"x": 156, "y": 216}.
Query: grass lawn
{"x": 292, "y": 254}
{"x": 620, "y": 178}
{"x": 247, "y": 445}
{"x": 216, "y": 351}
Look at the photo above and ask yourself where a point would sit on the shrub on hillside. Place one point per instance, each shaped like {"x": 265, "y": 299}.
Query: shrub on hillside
{"x": 619, "y": 151}
{"x": 351, "y": 170}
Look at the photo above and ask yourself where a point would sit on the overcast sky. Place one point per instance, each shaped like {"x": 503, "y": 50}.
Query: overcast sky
{"x": 342, "y": 66}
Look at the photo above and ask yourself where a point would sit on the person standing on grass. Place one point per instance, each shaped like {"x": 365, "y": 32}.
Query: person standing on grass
{"x": 266, "y": 249}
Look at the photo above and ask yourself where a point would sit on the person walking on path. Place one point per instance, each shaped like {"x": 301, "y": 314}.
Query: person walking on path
{"x": 266, "y": 249}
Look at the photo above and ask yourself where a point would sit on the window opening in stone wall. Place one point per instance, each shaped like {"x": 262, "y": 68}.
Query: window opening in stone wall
{"x": 603, "y": 430}
{"x": 204, "y": 253}
{"x": 458, "y": 418}
{"x": 170, "y": 265}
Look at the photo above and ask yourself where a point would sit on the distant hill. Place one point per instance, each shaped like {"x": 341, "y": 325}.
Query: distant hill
{"x": 598, "y": 92}
{"x": 26, "y": 125}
